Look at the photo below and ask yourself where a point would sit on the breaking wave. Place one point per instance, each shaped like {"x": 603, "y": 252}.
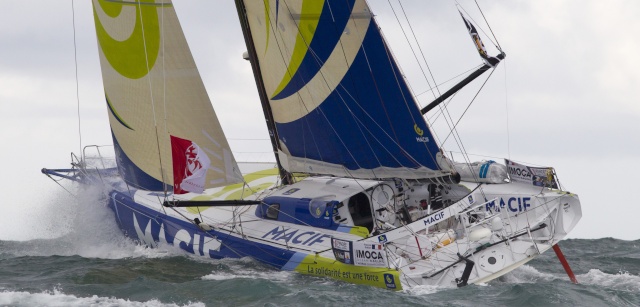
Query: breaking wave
{"x": 622, "y": 281}
{"x": 58, "y": 298}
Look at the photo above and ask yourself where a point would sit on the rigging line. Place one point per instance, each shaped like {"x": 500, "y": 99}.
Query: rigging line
{"x": 263, "y": 203}
{"x": 488, "y": 25}
{"x": 58, "y": 182}
{"x": 450, "y": 79}
{"x": 385, "y": 133}
{"x": 476, "y": 155}
{"x": 410, "y": 46}
{"x": 434, "y": 118}
{"x": 424, "y": 59}
{"x": 395, "y": 70}
{"x": 377, "y": 125}
{"x": 456, "y": 135}
{"x": 478, "y": 26}
{"x": 153, "y": 107}
{"x": 340, "y": 95}
{"x": 284, "y": 61}
{"x": 506, "y": 105}
{"x": 352, "y": 79}
{"x": 469, "y": 105}
{"x": 341, "y": 98}
{"x": 164, "y": 99}
{"x": 449, "y": 120}
{"x": 394, "y": 140}
{"x": 419, "y": 48}
{"x": 443, "y": 108}
{"x": 320, "y": 110}
{"x": 324, "y": 115}
{"x": 360, "y": 125}
{"x": 75, "y": 58}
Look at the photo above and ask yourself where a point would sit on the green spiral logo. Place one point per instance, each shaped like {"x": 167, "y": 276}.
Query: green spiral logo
{"x": 128, "y": 57}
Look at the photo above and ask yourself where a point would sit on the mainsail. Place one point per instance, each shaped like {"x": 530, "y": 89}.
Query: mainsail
{"x": 153, "y": 91}
{"x": 339, "y": 101}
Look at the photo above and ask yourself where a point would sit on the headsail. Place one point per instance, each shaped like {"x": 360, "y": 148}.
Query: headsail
{"x": 154, "y": 91}
{"x": 339, "y": 101}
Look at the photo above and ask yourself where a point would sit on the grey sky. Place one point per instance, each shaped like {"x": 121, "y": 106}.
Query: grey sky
{"x": 572, "y": 84}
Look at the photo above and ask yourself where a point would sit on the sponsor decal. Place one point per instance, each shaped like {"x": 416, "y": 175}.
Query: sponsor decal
{"x": 420, "y": 132}
{"x": 434, "y": 218}
{"x": 378, "y": 277}
{"x": 417, "y": 129}
{"x": 359, "y": 253}
{"x": 518, "y": 172}
{"x": 343, "y": 250}
{"x": 295, "y": 236}
{"x": 544, "y": 177}
{"x": 513, "y": 204}
{"x": 341, "y": 244}
{"x": 538, "y": 176}
{"x": 382, "y": 238}
{"x": 389, "y": 281}
{"x": 190, "y": 165}
{"x": 190, "y": 241}
{"x": 318, "y": 208}
{"x": 368, "y": 254}
{"x": 471, "y": 200}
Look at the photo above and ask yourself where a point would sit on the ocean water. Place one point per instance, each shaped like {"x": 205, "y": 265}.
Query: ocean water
{"x": 78, "y": 257}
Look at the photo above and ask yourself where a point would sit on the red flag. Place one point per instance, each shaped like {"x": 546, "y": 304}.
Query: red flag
{"x": 190, "y": 165}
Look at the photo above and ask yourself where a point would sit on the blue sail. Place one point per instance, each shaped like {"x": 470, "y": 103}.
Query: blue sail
{"x": 340, "y": 103}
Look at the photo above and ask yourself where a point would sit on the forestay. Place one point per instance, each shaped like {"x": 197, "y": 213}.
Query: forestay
{"x": 339, "y": 101}
{"x": 153, "y": 91}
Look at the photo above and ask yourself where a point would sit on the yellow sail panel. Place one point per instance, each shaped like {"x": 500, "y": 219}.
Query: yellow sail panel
{"x": 295, "y": 29}
{"x": 307, "y": 25}
{"x": 154, "y": 90}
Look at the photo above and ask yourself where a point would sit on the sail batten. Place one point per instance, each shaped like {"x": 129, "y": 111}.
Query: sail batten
{"x": 154, "y": 92}
{"x": 340, "y": 103}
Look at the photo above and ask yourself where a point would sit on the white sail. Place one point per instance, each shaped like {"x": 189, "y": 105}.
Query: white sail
{"x": 154, "y": 90}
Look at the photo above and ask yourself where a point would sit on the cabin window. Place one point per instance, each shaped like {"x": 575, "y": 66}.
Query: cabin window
{"x": 272, "y": 211}
{"x": 360, "y": 210}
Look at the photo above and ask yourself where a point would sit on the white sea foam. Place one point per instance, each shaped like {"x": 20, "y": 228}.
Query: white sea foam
{"x": 82, "y": 225}
{"x": 273, "y": 276}
{"x": 623, "y": 281}
{"x": 424, "y": 290}
{"x": 527, "y": 274}
{"x": 58, "y": 298}
{"x": 239, "y": 269}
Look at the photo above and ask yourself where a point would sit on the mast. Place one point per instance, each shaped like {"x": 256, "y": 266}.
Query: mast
{"x": 285, "y": 176}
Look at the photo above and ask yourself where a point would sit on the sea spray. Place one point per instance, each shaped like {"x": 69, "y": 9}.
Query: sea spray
{"x": 57, "y": 297}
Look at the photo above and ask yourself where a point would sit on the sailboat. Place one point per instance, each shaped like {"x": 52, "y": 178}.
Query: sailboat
{"x": 361, "y": 193}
